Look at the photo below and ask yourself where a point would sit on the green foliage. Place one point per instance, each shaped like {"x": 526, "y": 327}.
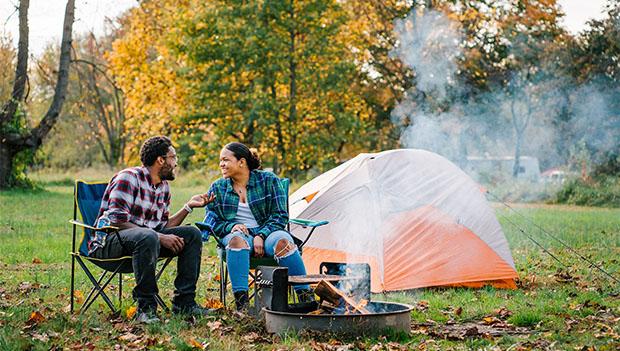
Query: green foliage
{"x": 19, "y": 177}
{"x": 525, "y": 319}
{"x": 605, "y": 192}
{"x": 276, "y": 76}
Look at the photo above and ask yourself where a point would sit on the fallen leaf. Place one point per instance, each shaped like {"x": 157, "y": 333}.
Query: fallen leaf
{"x": 128, "y": 337}
{"x": 458, "y": 311}
{"x": 421, "y": 305}
{"x": 40, "y": 337}
{"x": 214, "y": 303}
{"x": 37, "y": 260}
{"x": 26, "y": 287}
{"x": 197, "y": 344}
{"x": 503, "y": 313}
{"x": 78, "y": 296}
{"x": 217, "y": 278}
{"x": 35, "y": 318}
{"x": 131, "y": 312}
{"x": 215, "y": 325}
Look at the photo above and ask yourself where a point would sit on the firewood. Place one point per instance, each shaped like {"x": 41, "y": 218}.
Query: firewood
{"x": 331, "y": 294}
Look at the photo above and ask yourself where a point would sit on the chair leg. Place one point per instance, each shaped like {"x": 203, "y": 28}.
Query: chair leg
{"x": 72, "y": 281}
{"x": 98, "y": 287}
{"x": 158, "y": 298}
{"x": 94, "y": 288}
{"x": 120, "y": 289}
{"x": 252, "y": 286}
{"x": 223, "y": 281}
{"x": 161, "y": 270}
{"x": 101, "y": 291}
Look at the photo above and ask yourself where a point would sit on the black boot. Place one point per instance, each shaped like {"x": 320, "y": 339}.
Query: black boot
{"x": 241, "y": 300}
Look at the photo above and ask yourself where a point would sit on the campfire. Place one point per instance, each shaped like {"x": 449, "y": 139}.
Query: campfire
{"x": 344, "y": 304}
{"x": 335, "y": 301}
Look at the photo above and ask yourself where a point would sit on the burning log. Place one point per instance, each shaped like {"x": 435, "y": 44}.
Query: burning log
{"x": 332, "y": 295}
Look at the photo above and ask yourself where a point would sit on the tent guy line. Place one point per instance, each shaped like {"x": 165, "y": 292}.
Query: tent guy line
{"x": 555, "y": 238}
{"x": 514, "y": 224}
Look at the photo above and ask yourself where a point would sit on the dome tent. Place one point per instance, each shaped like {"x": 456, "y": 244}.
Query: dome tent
{"x": 414, "y": 216}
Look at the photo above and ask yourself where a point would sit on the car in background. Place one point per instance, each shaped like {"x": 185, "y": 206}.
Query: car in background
{"x": 553, "y": 175}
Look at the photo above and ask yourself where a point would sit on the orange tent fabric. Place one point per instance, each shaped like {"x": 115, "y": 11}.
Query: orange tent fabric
{"x": 415, "y": 217}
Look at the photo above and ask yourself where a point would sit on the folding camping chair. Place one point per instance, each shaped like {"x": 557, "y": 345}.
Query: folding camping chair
{"x": 87, "y": 199}
{"x": 259, "y": 261}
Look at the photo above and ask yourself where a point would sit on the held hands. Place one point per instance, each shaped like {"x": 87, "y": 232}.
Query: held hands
{"x": 259, "y": 249}
{"x": 259, "y": 243}
{"x": 201, "y": 200}
{"x": 240, "y": 228}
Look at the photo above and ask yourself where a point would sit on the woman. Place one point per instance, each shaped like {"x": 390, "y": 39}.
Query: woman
{"x": 250, "y": 213}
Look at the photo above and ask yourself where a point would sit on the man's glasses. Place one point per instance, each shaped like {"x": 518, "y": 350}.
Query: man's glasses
{"x": 173, "y": 156}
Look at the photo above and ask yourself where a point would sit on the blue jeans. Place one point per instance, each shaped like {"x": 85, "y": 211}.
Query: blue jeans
{"x": 238, "y": 260}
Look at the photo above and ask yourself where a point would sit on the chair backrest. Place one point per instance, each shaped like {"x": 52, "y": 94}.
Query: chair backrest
{"x": 87, "y": 200}
{"x": 286, "y": 184}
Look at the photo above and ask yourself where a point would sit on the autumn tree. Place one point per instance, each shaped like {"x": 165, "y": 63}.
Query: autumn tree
{"x": 15, "y": 136}
{"x": 98, "y": 100}
{"x": 145, "y": 68}
{"x": 7, "y": 59}
{"x": 278, "y": 75}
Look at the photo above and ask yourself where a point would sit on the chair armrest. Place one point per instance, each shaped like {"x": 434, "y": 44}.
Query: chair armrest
{"x": 205, "y": 227}
{"x": 106, "y": 229}
{"x": 307, "y": 222}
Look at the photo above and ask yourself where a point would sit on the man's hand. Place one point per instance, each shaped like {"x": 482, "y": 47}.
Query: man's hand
{"x": 171, "y": 242}
{"x": 259, "y": 249}
{"x": 240, "y": 228}
{"x": 201, "y": 200}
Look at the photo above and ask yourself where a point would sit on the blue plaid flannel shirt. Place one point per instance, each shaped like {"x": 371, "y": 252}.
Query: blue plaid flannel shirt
{"x": 266, "y": 197}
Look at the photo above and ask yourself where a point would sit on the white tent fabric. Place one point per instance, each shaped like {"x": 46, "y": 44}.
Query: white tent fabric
{"x": 363, "y": 197}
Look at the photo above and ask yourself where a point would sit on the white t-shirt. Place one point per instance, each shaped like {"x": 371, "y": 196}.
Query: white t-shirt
{"x": 245, "y": 216}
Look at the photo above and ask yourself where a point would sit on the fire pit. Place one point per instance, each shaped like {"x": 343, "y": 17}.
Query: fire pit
{"x": 345, "y": 307}
{"x": 394, "y": 316}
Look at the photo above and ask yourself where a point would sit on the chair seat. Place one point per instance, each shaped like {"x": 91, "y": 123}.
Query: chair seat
{"x": 254, "y": 261}
{"x": 126, "y": 261}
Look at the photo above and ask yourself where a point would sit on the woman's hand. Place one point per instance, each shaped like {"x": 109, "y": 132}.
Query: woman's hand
{"x": 201, "y": 200}
{"x": 259, "y": 250}
{"x": 240, "y": 228}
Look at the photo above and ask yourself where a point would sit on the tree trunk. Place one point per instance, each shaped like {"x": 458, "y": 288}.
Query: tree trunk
{"x": 11, "y": 143}
{"x": 6, "y": 164}
{"x": 517, "y": 164}
{"x": 21, "y": 72}
{"x": 292, "y": 116}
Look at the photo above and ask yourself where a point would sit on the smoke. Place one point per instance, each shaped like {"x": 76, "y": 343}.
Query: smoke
{"x": 429, "y": 43}
{"x": 555, "y": 112}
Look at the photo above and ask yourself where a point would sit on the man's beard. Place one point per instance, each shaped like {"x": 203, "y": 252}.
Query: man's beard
{"x": 166, "y": 173}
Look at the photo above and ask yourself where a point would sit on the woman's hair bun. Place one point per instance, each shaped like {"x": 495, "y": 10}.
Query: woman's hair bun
{"x": 256, "y": 162}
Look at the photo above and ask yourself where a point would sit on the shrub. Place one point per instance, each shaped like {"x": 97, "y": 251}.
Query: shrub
{"x": 605, "y": 192}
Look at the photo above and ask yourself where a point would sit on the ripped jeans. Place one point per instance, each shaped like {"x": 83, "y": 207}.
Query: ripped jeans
{"x": 238, "y": 260}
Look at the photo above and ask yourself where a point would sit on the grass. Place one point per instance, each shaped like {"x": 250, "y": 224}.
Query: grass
{"x": 564, "y": 305}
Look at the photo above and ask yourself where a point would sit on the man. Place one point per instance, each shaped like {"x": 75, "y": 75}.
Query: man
{"x": 137, "y": 201}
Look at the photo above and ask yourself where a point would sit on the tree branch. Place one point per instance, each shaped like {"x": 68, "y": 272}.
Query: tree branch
{"x": 46, "y": 124}
{"x": 21, "y": 72}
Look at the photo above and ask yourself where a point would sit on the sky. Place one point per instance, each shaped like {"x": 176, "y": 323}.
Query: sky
{"x": 46, "y": 16}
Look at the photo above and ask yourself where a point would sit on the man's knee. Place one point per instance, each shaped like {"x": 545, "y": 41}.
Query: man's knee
{"x": 238, "y": 243}
{"x": 283, "y": 248}
{"x": 149, "y": 238}
{"x": 192, "y": 234}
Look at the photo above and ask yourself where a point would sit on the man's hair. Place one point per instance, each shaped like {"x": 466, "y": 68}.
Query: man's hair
{"x": 154, "y": 147}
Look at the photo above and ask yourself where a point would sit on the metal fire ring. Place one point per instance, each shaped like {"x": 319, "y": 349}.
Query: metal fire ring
{"x": 397, "y": 317}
